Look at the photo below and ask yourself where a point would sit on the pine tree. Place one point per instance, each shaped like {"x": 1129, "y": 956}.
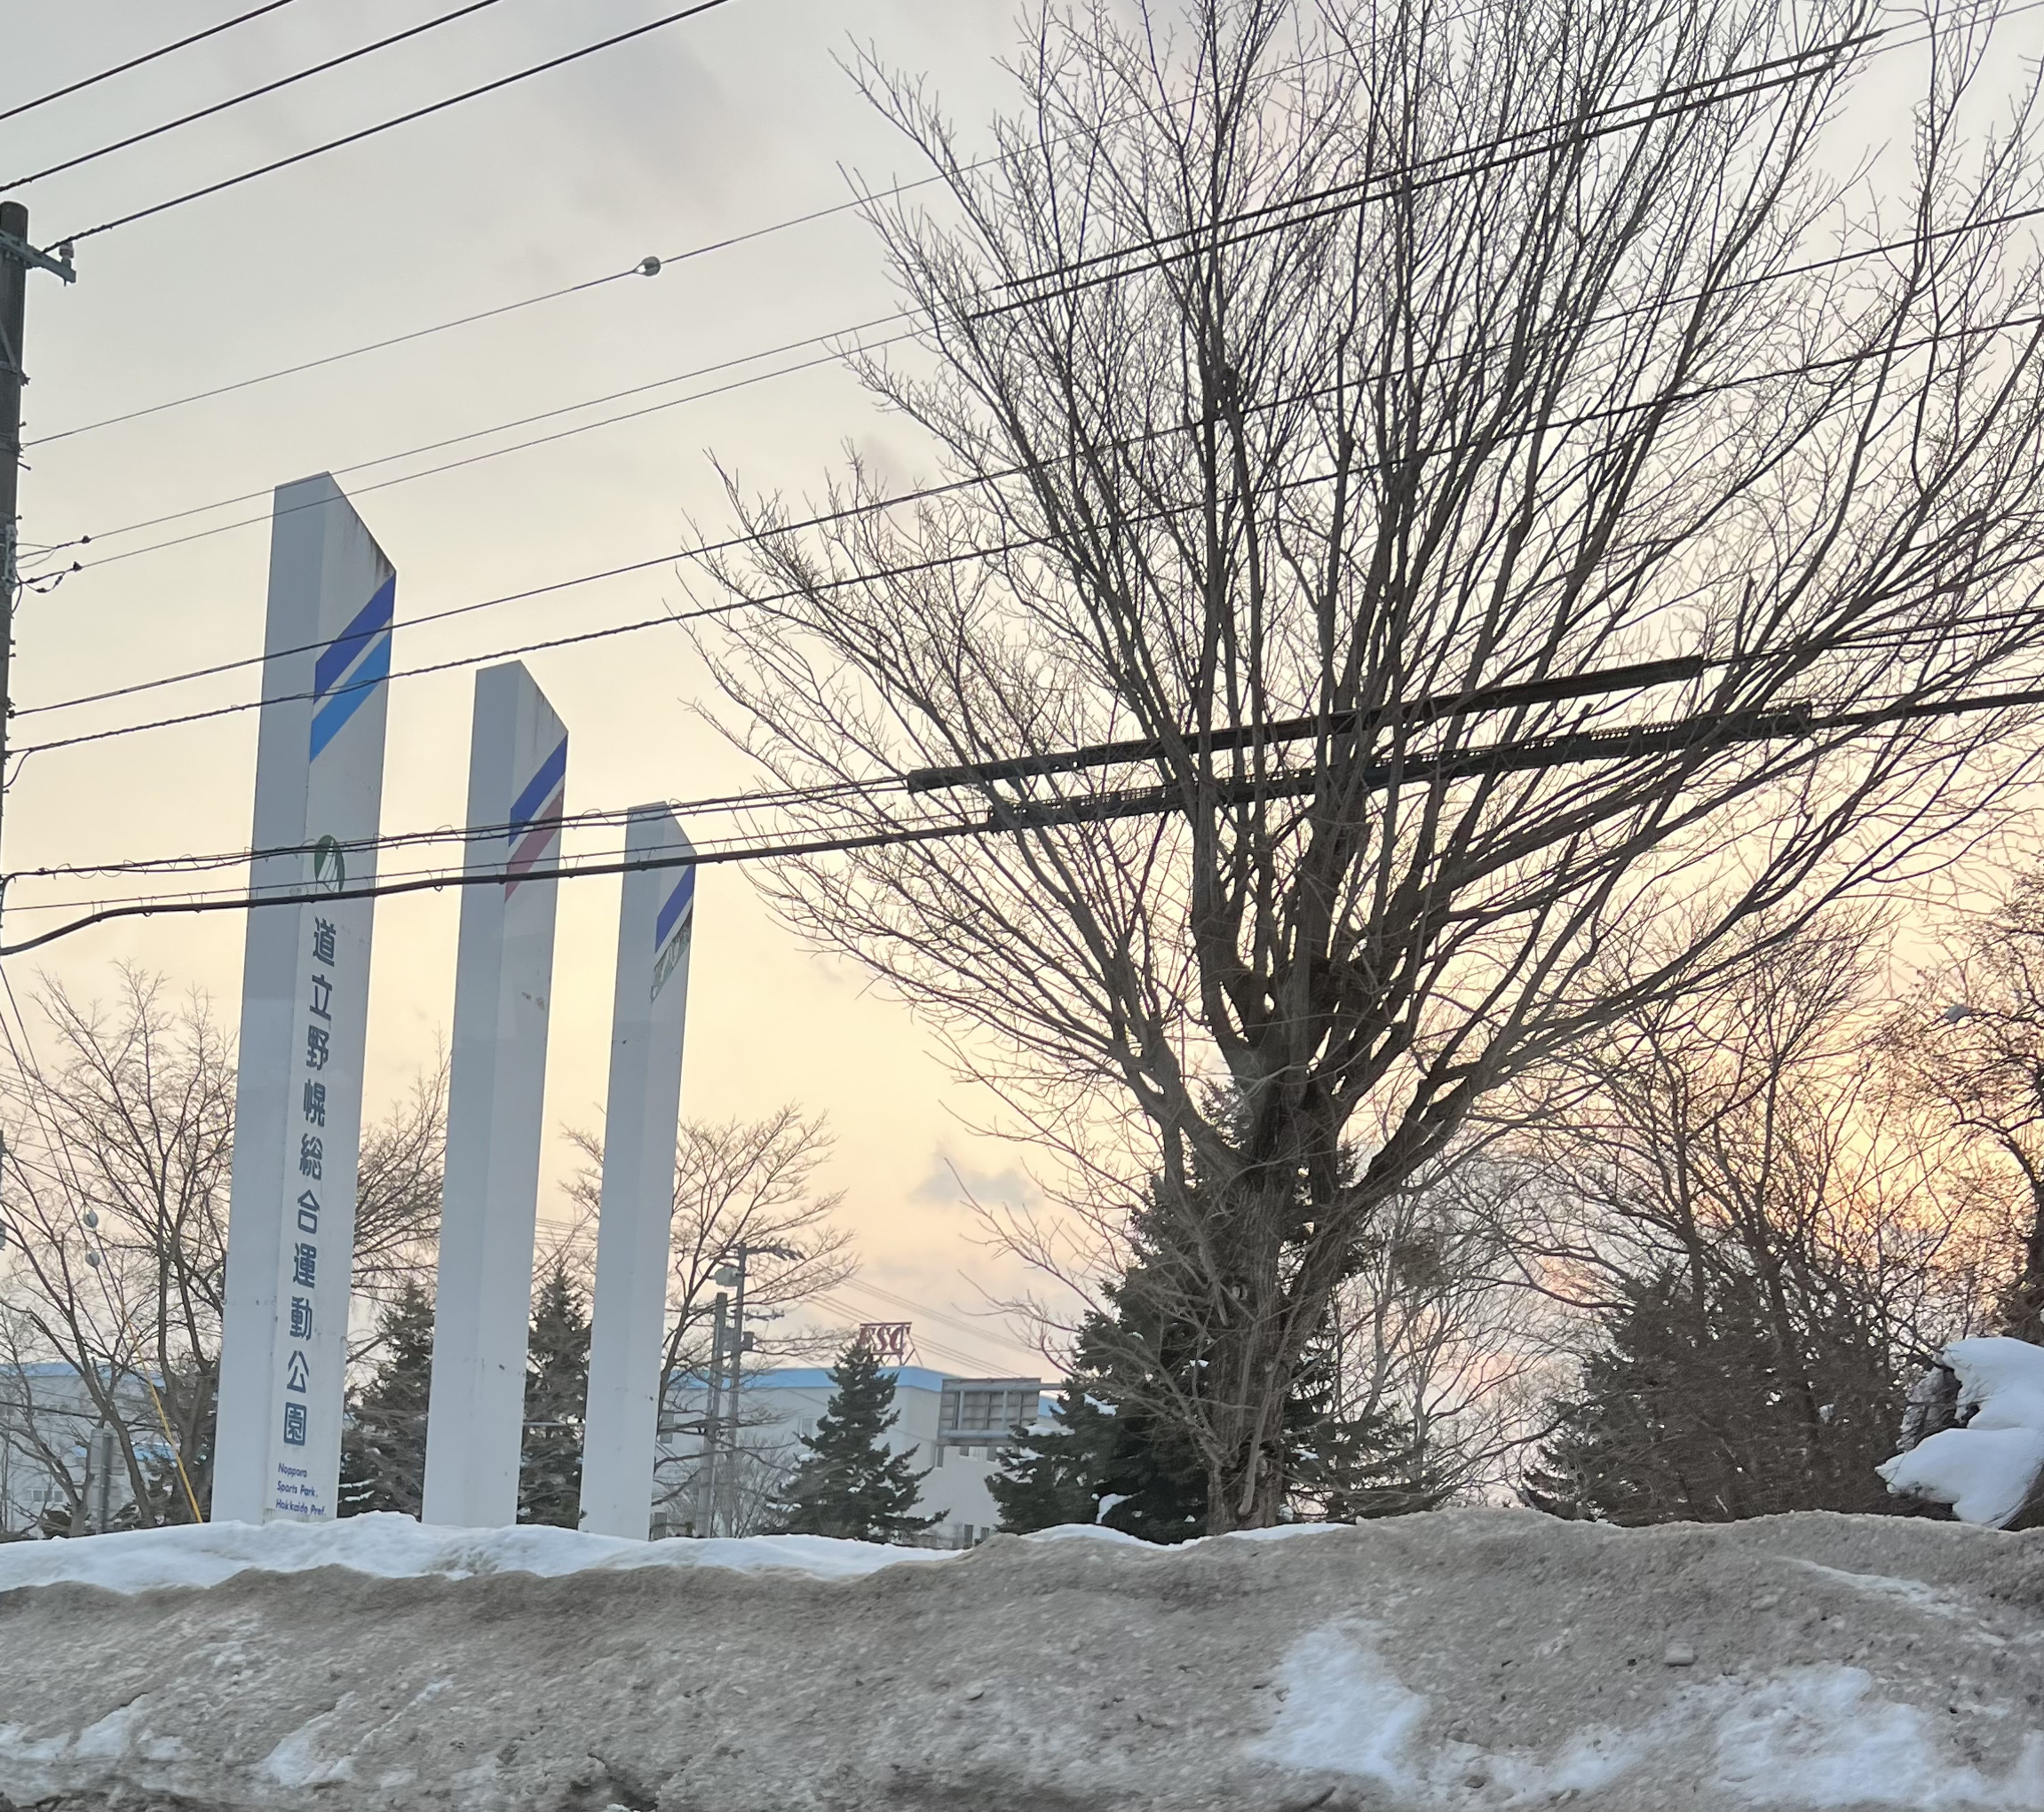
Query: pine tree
{"x": 384, "y": 1443}
{"x": 1104, "y": 1449}
{"x": 1350, "y": 1469}
{"x": 1108, "y": 1448}
{"x": 1699, "y": 1409}
{"x": 556, "y": 1399}
{"x": 1057, "y": 1477}
{"x": 852, "y": 1486}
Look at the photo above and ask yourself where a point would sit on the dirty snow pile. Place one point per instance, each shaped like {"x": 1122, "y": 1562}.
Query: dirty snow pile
{"x": 1461, "y": 1659}
{"x": 396, "y": 1547}
{"x": 1986, "y": 1469}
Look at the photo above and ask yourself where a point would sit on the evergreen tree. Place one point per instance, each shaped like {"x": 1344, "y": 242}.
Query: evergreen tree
{"x": 383, "y": 1442}
{"x": 556, "y": 1399}
{"x": 851, "y": 1485}
{"x": 1098, "y": 1454}
{"x": 1104, "y": 1448}
{"x": 1709, "y": 1404}
{"x": 1350, "y": 1469}
{"x": 1058, "y": 1477}
{"x": 1109, "y": 1447}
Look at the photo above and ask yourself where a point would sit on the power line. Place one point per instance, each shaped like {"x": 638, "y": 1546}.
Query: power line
{"x": 1701, "y": 733}
{"x": 1664, "y": 401}
{"x": 604, "y": 817}
{"x": 1429, "y": 710}
{"x": 1548, "y": 136}
{"x": 483, "y": 433}
{"x": 1508, "y": 696}
{"x": 1344, "y": 190}
{"x": 405, "y": 118}
{"x": 220, "y": 107}
{"x": 147, "y": 57}
{"x": 1075, "y": 266}
{"x": 1555, "y": 136}
{"x": 1804, "y": 370}
{"x": 647, "y": 267}
{"x": 224, "y": 667}
{"x": 572, "y": 640}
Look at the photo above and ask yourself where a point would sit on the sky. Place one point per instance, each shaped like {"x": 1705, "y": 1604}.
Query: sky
{"x": 710, "y": 128}
{"x": 706, "y": 129}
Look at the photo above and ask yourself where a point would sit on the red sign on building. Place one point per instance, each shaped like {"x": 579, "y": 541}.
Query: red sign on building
{"x": 888, "y": 1339}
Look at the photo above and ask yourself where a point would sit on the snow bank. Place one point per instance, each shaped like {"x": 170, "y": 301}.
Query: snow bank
{"x": 395, "y": 1547}
{"x": 1462, "y": 1660}
{"x": 1986, "y": 1469}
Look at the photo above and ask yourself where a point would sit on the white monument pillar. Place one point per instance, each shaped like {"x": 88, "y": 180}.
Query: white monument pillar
{"x": 305, "y": 1011}
{"x": 503, "y": 980}
{"x": 654, "y": 931}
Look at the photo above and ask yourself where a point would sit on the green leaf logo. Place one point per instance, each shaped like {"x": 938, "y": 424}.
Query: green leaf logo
{"x": 329, "y": 865}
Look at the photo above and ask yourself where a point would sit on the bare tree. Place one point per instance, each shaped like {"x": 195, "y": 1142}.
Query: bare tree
{"x": 737, "y": 1183}
{"x": 1323, "y": 398}
{"x": 398, "y": 1180}
{"x": 1771, "y": 1237}
{"x": 117, "y": 1188}
{"x": 1436, "y": 1330}
{"x": 117, "y": 1153}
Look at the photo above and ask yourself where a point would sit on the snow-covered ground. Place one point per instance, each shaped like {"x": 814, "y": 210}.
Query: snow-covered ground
{"x": 396, "y": 1547}
{"x": 1463, "y": 1659}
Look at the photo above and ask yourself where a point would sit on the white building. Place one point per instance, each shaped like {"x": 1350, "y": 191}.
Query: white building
{"x": 49, "y": 1461}
{"x": 954, "y": 1426}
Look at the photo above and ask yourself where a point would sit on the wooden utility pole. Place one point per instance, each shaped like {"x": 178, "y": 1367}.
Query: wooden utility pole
{"x": 17, "y": 256}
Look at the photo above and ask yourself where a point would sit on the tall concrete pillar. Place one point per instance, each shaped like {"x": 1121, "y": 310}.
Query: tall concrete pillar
{"x": 305, "y": 1011}
{"x": 503, "y": 982}
{"x": 650, "y": 1011}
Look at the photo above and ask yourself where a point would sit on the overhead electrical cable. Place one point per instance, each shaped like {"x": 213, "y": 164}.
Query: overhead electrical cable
{"x": 1663, "y": 401}
{"x": 1632, "y": 677}
{"x": 1612, "y": 317}
{"x": 1343, "y": 190}
{"x": 1228, "y": 232}
{"x": 1701, "y": 733}
{"x": 1549, "y": 135}
{"x": 574, "y": 638}
{"x": 136, "y": 62}
{"x": 494, "y": 428}
{"x": 1558, "y": 135}
{"x": 646, "y": 267}
{"x": 221, "y": 107}
{"x": 198, "y": 396}
{"x": 403, "y": 119}
{"x": 601, "y": 817}
{"x": 699, "y": 550}
{"x": 1431, "y": 708}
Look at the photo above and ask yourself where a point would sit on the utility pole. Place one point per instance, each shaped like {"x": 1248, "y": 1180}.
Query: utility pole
{"x": 712, "y": 1425}
{"x": 740, "y": 1338}
{"x": 17, "y": 258}
{"x": 738, "y": 1260}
